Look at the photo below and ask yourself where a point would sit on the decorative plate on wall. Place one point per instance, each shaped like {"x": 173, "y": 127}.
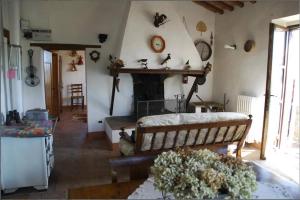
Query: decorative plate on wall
{"x": 249, "y": 45}
{"x": 204, "y": 50}
{"x": 95, "y": 55}
{"x": 158, "y": 44}
{"x": 201, "y": 27}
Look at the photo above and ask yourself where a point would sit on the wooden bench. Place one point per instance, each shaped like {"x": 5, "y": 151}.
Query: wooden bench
{"x": 220, "y": 131}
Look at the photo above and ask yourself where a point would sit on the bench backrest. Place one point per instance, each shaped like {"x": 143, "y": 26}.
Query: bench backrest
{"x": 153, "y": 139}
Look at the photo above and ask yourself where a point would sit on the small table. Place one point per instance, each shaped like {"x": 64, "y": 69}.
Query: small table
{"x": 207, "y": 106}
{"x": 124, "y": 189}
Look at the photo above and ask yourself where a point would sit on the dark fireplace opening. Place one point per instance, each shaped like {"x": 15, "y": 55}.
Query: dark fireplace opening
{"x": 147, "y": 88}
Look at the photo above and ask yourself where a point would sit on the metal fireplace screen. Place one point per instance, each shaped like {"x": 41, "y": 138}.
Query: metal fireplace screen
{"x": 157, "y": 107}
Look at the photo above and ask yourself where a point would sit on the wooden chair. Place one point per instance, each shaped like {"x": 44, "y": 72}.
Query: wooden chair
{"x": 77, "y": 97}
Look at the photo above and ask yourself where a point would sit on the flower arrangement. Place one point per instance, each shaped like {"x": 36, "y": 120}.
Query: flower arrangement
{"x": 190, "y": 174}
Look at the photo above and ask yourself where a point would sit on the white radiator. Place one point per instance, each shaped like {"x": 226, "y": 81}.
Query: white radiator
{"x": 252, "y": 106}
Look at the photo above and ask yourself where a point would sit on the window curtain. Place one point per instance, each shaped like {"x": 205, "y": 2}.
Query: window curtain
{"x": 1, "y": 63}
{"x": 1, "y": 66}
{"x": 4, "y": 87}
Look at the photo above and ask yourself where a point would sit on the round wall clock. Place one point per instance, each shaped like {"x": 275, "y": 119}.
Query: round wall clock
{"x": 204, "y": 50}
{"x": 157, "y": 44}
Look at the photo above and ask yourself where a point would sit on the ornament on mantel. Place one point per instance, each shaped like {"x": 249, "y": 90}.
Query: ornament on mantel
{"x": 165, "y": 61}
{"x": 187, "y": 66}
{"x": 143, "y": 63}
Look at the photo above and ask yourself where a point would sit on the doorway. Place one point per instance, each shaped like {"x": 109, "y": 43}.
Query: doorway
{"x": 65, "y": 83}
{"x": 284, "y": 93}
{"x": 281, "y": 123}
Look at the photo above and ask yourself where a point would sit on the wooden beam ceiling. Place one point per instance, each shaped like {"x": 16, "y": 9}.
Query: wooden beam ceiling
{"x": 220, "y": 6}
{"x": 223, "y": 5}
{"x": 236, "y": 3}
{"x": 210, "y": 7}
{"x": 60, "y": 46}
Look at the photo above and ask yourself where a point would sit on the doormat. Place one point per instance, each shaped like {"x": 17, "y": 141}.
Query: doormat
{"x": 79, "y": 117}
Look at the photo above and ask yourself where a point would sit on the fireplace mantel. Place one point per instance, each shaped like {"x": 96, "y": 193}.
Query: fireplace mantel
{"x": 158, "y": 71}
{"x": 200, "y": 75}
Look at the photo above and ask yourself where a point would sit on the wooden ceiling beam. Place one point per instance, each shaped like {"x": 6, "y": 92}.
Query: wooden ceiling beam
{"x": 210, "y": 7}
{"x": 236, "y": 3}
{"x": 222, "y": 5}
{"x": 60, "y": 46}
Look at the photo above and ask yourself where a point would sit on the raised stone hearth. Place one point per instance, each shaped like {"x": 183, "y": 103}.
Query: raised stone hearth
{"x": 113, "y": 127}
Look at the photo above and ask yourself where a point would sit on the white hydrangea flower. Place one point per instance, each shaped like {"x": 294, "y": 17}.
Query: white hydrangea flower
{"x": 184, "y": 175}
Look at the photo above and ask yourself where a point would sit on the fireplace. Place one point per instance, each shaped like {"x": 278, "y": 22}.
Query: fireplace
{"x": 149, "y": 98}
{"x": 148, "y": 87}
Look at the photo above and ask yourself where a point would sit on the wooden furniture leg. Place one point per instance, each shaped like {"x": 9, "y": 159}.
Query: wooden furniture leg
{"x": 72, "y": 103}
{"x": 239, "y": 153}
{"x": 82, "y": 106}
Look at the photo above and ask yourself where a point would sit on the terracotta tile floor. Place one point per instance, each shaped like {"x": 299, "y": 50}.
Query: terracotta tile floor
{"x": 80, "y": 160}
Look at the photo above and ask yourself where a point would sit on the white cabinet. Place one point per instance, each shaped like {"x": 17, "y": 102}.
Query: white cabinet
{"x": 26, "y": 162}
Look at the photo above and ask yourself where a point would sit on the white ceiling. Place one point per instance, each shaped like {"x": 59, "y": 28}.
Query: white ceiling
{"x": 287, "y": 21}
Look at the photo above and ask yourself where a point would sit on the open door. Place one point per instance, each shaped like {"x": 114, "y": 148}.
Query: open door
{"x": 273, "y": 95}
{"x": 280, "y": 88}
{"x": 60, "y": 85}
{"x": 52, "y": 83}
{"x": 48, "y": 80}
{"x": 55, "y": 85}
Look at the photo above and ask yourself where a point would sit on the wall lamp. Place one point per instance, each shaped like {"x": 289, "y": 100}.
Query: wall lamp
{"x": 232, "y": 47}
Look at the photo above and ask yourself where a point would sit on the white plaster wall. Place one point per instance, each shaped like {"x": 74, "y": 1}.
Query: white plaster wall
{"x": 33, "y": 97}
{"x": 69, "y": 77}
{"x": 179, "y": 42}
{"x": 237, "y": 72}
{"x": 80, "y": 22}
{"x": 192, "y": 13}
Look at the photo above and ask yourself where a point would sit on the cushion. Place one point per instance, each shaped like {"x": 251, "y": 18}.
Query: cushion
{"x": 189, "y": 118}
{"x": 126, "y": 148}
{"x": 192, "y": 118}
{"x": 160, "y": 120}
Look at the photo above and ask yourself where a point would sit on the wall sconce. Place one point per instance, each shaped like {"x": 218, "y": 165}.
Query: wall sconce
{"x": 232, "y": 47}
